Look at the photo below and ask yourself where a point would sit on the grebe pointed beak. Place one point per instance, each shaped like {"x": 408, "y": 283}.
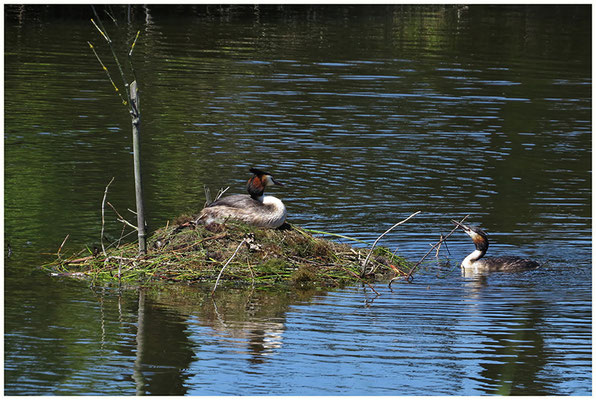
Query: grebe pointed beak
{"x": 275, "y": 182}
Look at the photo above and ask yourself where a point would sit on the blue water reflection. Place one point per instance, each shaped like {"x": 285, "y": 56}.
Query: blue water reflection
{"x": 367, "y": 115}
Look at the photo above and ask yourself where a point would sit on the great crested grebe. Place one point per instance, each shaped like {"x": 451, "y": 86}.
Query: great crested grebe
{"x": 253, "y": 208}
{"x": 476, "y": 261}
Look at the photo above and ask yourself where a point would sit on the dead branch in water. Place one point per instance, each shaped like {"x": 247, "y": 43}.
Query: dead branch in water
{"x": 379, "y": 238}
{"x": 435, "y": 246}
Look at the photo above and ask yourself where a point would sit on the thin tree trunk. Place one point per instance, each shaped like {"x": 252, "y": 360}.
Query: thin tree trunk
{"x": 136, "y": 149}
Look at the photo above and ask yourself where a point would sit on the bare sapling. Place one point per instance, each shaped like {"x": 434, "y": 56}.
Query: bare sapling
{"x": 131, "y": 100}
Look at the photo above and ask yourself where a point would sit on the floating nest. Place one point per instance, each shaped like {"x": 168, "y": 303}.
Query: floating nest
{"x": 235, "y": 253}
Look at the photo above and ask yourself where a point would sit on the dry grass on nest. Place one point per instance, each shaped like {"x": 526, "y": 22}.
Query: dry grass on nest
{"x": 188, "y": 253}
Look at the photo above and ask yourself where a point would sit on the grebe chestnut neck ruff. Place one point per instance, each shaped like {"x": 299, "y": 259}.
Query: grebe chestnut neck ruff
{"x": 255, "y": 208}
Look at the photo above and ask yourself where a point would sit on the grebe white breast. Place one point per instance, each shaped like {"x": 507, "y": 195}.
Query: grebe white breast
{"x": 253, "y": 208}
{"x": 478, "y": 262}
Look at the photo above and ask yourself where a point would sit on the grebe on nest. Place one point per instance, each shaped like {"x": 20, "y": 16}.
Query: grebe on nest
{"x": 476, "y": 261}
{"x": 253, "y": 208}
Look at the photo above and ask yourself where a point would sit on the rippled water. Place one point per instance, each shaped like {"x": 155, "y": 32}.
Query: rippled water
{"x": 470, "y": 336}
{"x": 367, "y": 115}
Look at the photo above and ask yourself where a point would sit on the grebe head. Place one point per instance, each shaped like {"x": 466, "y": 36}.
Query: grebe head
{"x": 479, "y": 237}
{"x": 257, "y": 184}
{"x": 476, "y": 261}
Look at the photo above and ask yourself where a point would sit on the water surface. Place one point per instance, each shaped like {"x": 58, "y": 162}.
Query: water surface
{"x": 367, "y": 114}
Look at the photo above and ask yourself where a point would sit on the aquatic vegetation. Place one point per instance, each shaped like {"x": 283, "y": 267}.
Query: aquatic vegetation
{"x": 236, "y": 253}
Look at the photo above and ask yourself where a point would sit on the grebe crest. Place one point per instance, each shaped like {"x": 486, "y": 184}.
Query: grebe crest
{"x": 476, "y": 261}
{"x": 255, "y": 208}
{"x": 257, "y": 184}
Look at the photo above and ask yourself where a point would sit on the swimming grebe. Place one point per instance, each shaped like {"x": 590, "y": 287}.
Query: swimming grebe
{"x": 476, "y": 261}
{"x": 254, "y": 208}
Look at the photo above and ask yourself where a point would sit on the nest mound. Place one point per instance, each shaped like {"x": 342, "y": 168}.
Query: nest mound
{"x": 235, "y": 252}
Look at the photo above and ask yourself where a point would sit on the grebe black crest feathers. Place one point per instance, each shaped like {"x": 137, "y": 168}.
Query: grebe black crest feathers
{"x": 478, "y": 262}
{"x": 254, "y": 208}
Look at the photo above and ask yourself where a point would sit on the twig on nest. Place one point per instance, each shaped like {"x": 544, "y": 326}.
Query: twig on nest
{"x": 379, "y": 238}
{"x": 103, "y": 207}
{"x": 226, "y": 264}
{"x": 60, "y": 248}
{"x": 217, "y": 196}
{"x": 220, "y": 193}
{"x": 207, "y": 196}
{"x": 214, "y": 237}
{"x": 121, "y": 218}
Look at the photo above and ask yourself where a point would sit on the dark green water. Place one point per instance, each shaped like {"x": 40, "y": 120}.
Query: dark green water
{"x": 367, "y": 114}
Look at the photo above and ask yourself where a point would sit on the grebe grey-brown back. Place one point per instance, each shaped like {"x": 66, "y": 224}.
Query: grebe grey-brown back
{"x": 254, "y": 208}
{"x": 476, "y": 261}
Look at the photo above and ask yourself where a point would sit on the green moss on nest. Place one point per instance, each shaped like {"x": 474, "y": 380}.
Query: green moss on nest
{"x": 304, "y": 275}
{"x": 184, "y": 252}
